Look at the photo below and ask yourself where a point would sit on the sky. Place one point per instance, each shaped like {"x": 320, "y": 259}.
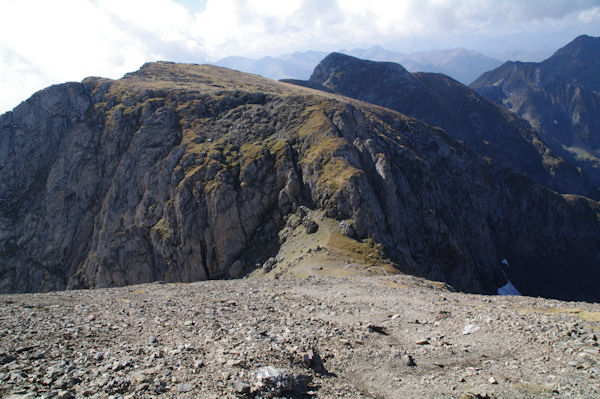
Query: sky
{"x": 45, "y": 42}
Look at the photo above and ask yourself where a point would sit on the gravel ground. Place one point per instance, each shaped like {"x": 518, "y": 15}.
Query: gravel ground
{"x": 357, "y": 337}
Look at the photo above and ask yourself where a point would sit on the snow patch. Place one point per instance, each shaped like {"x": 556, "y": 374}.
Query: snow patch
{"x": 508, "y": 288}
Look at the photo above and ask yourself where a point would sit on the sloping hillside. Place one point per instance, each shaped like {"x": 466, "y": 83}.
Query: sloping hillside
{"x": 486, "y": 128}
{"x": 559, "y": 96}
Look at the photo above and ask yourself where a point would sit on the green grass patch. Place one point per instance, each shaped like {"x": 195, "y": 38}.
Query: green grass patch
{"x": 582, "y": 314}
{"x": 364, "y": 252}
{"x": 163, "y": 229}
{"x": 336, "y": 173}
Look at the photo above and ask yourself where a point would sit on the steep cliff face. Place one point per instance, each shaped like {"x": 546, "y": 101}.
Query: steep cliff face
{"x": 560, "y": 97}
{"x": 183, "y": 172}
{"x": 441, "y": 101}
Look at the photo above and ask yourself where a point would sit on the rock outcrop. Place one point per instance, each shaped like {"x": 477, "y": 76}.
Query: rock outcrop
{"x": 184, "y": 172}
{"x": 486, "y": 128}
{"x": 560, "y": 97}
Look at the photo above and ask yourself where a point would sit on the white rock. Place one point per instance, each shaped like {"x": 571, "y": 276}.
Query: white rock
{"x": 470, "y": 329}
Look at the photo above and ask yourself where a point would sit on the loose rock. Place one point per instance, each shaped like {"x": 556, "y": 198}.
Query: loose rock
{"x": 408, "y": 360}
{"x": 312, "y": 360}
{"x": 311, "y": 226}
{"x": 470, "y": 329}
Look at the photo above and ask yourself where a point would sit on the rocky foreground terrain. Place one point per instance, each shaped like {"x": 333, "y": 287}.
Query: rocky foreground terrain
{"x": 352, "y": 337}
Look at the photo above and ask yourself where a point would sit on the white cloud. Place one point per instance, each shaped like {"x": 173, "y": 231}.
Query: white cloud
{"x": 47, "y": 42}
{"x": 44, "y": 42}
{"x": 262, "y": 27}
{"x": 589, "y": 16}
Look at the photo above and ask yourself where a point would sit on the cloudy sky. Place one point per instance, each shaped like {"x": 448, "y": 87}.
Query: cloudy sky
{"x": 44, "y": 42}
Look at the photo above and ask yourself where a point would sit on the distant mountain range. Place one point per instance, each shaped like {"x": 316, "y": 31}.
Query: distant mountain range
{"x": 460, "y": 64}
{"x": 525, "y": 56}
{"x": 560, "y": 97}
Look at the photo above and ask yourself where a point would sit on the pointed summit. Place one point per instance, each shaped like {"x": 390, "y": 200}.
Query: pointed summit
{"x": 583, "y": 48}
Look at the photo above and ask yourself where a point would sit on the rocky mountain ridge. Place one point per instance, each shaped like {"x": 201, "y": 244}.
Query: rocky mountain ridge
{"x": 559, "y": 96}
{"x": 484, "y": 127}
{"x": 183, "y": 172}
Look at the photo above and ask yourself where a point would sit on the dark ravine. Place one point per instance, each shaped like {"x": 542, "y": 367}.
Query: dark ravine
{"x": 182, "y": 172}
{"x": 560, "y": 97}
{"x": 486, "y": 128}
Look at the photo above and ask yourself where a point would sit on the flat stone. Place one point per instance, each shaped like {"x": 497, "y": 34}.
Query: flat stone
{"x": 185, "y": 387}
{"x": 377, "y": 328}
{"x": 240, "y": 387}
{"x": 65, "y": 395}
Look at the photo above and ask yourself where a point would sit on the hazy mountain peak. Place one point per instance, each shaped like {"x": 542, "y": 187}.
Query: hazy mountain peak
{"x": 461, "y": 64}
{"x": 583, "y": 48}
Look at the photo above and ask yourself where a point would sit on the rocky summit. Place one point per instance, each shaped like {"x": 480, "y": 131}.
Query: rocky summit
{"x": 183, "y": 173}
{"x": 559, "y": 97}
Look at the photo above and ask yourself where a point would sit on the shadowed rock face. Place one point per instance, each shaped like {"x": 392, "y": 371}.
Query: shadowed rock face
{"x": 183, "y": 172}
{"x": 560, "y": 97}
{"x": 483, "y": 126}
